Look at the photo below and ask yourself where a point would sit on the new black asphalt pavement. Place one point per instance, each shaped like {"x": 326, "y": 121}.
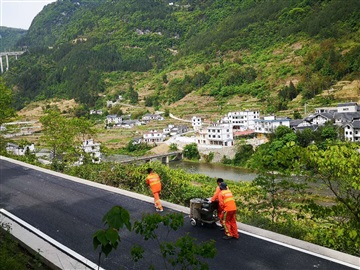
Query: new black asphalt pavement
{"x": 71, "y": 212}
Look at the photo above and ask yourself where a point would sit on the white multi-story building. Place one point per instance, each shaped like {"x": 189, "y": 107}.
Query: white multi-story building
{"x": 352, "y": 131}
{"x": 154, "y": 136}
{"x": 216, "y": 134}
{"x": 269, "y": 124}
{"x": 196, "y": 122}
{"x": 242, "y": 120}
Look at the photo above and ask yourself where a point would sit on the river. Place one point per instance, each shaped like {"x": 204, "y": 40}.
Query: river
{"x": 214, "y": 170}
{"x": 209, "y": 169}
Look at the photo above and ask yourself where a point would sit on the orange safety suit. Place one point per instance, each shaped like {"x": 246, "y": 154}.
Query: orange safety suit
{"x": 214, "y": 198}
{"x": 227, "y": 202}
{"x": 153, "y": 180}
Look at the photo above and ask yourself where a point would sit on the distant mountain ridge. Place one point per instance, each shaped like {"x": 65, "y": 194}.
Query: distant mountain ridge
{"x": 9, "y": 38}
{"x": 158, "y": 52}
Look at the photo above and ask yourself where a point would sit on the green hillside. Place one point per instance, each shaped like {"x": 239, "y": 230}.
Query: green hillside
{"x": 275, "y": 55}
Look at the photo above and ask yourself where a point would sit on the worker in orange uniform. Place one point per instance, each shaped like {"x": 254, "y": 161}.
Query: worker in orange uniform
{"x": 153, "y": 181}
{"x": 215, "y": 199}
{"x": 227, "y": 202}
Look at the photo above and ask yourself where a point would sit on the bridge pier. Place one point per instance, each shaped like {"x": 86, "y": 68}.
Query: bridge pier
{"x": 7, "y": 54}
{"x": 7, "y": 62}
{"x": 165, "y": 160}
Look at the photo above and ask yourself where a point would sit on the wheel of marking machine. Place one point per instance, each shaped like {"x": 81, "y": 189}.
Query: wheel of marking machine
{"x": 193, "y": 222}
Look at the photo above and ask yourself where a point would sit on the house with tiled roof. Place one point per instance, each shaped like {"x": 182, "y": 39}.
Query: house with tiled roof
{"x": 352, "y": 131}
{"x": 344, "y": 118}
{"x": 268, "y": 124}
{"x": 319, "y": 118}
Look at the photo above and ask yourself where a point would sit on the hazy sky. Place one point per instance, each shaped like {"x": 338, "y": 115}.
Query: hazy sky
{"x": 20, "y": 13}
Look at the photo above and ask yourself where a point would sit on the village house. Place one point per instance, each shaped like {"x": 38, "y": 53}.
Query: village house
{"x": 268, "y": 124}
{"x": 130, "y": 123}
{"x": 216, "y": 135}
{"x": 340, "y": 108}
{"x": 137, "y": 140}
{"x": 153, "y": 136}
{"x": 242, "y": 120}
{"x": 301, "y": 124}
{"x": 319, "y": 118}
{"x": 92, "y": 148}
{"x": 352, "y": 131}
{"x": 345, "y": 118}
{"x": 173, "y": 130}
{"x": 149, "y": 117}
{"x": 196, "y": 122}
{"x": 15, "y": 149}
{"x": 113, "y": 119}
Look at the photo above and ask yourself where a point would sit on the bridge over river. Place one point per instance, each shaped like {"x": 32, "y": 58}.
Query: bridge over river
{"x": 165, "y": 158}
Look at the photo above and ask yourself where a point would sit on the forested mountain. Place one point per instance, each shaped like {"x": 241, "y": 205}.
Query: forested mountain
{"x": 269, "y": 51}
{"x": 9, "y": 38}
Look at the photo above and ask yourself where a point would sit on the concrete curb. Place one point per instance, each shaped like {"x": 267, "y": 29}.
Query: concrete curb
{"x": 296, "y": 244}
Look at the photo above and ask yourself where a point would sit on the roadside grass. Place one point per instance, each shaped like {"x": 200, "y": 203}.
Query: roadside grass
{"x": 14, "y": 256}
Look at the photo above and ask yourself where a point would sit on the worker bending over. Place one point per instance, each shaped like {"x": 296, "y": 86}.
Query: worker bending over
{"x": 227, "y": 203}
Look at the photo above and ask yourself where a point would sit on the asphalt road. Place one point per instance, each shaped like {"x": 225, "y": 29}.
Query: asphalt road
{"x": 71, "y": 212}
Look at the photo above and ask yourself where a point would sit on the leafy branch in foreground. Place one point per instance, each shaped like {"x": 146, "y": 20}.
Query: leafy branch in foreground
{"x": 184, "y": 252}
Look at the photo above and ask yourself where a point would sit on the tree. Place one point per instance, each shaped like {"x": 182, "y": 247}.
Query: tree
{"x": 305, "y": 137}
{"x": 116, "y": 110}
{"x": 191, "y": 151}
{"x": 243, "y": 154}
{"x": 63, "y": 136}
{"x": 184, "y": 252}
{"x": 275, "y": 180}
{"x": 57, "y": 134}
{"x": 297, "y": 115}
{"x": 6, "y": 109}
{"x": 338, "y": 168}
{"x": 132, "y": 95}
